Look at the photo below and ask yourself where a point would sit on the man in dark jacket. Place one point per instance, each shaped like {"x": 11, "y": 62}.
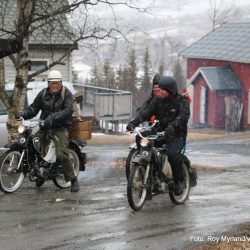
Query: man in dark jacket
{"x": 56, "y": 112}
{"x": 172, "y": 110}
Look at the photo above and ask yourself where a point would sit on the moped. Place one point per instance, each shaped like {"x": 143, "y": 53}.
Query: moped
{"x": 27, "y": 156}
{"x": 150, "y": 173}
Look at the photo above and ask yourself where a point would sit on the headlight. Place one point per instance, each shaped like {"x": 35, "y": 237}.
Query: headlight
{"x": 21, "y": 129}
{"x": 22, "y": 140}
{"x": 144, "y": 142}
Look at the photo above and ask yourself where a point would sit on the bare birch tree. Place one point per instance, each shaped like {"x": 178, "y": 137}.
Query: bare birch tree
{"x": 41, "y": 14}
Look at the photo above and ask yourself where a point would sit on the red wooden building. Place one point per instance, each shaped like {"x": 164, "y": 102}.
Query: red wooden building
{"x": 218, "y": 68}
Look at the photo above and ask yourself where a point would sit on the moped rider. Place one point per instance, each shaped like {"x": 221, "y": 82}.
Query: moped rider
{"x": 56, "y": 112}
{"x": 173, "y": 111}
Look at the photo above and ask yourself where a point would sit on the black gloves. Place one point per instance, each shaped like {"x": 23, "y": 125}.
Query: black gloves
{"x": 18, "y": 115}
{"x": 130, "y": 127}
{"x": 46, "y": 124}
{"x": 169, "y": 131}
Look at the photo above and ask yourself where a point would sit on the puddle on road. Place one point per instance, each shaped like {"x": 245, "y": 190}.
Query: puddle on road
{"x": 66, "y": 201}
{"x": 107, "y": 235}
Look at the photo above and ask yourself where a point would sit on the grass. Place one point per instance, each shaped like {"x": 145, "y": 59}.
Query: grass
{"x": 193, "y": 135}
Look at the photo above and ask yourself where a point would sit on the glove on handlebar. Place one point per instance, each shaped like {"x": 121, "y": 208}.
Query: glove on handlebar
{"x": 46, "y": 124}
{"x": 130, "y": 127}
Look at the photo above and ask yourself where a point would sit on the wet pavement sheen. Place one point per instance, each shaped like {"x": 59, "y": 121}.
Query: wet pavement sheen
{"x": 99, "y": 217}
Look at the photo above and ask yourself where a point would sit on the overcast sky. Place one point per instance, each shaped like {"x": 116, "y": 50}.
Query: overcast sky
{"x": 186, "y": 18}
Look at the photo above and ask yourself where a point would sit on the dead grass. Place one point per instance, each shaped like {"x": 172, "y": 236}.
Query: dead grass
{"x": 238, "y": 242}
{"x": 193, "y": 135}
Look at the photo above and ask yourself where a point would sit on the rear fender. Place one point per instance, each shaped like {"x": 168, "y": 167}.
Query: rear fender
{"x": 82, "y": 156}
{"x": 192, "y": 172}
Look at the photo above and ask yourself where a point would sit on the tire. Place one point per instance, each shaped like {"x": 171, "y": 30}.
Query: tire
{"x": 180, "y": 199}
{"x": 136, "y": 192}
{"x": 10, "y": 180}
{"x": 128, "y": 165}
{"x": 59, "y": 181}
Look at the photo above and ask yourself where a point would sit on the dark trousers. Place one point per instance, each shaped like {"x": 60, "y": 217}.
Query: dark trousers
{"x": 174, "y": 150}
{"x": 61, "y": 138}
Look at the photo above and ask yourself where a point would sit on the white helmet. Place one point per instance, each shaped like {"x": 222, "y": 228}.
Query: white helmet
{"x": 54, "y": 75}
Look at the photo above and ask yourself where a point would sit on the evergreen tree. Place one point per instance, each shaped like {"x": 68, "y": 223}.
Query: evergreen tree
{"x": 132, "y": 71}
{"x": 119, "y": 79}
{"x": 95, "y": 76}
{"x": 178, "y": 75}
{"x": 161, "y": 67}
{"x": 146, "y": 83}
{"x": 108, "y": 80}
{"x": 125, "y": 79}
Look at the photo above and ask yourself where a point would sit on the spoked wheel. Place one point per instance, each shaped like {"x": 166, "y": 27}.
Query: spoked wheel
{"x": 180, "y": 199}
{"x": 129, "y": 159}
{"x": 59, "y": 181}
{"x": 10, "y": 177}
{"x": 136, "y": 190}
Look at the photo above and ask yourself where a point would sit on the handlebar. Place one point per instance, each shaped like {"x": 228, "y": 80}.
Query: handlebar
{"x": 32, "y": 124}
{"x": 138, "y": 130}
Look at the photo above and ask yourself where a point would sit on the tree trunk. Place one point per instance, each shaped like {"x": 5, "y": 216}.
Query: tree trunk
{"x": 2, "y": 75}
{"x": 25, "y": 10}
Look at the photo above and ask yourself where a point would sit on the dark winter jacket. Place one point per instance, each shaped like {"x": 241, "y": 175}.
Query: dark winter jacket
{"x": 170, "y": 111}
{"x": 54, "y": 107}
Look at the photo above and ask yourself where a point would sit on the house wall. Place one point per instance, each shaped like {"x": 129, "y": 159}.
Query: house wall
{"x": 242, "y": 70}
{"x": 66, "y": 69}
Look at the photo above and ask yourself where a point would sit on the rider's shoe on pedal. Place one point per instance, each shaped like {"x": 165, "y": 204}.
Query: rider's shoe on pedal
{"x": 75, "y": 187}
{"x": 178, "y": 188}
{"x": 39, "y": 182}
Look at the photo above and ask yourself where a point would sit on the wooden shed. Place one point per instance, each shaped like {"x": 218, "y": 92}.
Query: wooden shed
{"x": 218, "y": 68}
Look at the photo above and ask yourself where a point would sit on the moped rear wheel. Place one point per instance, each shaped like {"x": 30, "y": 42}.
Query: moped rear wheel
{"x": 132, "y": 153}
{"x": 59, "y": 180}
{"x": 180, "y": 199}
{"x": 136, "y": 190}
{"x": 10, "y": 177}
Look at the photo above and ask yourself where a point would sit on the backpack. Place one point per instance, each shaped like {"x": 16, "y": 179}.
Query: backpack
{"x": 76, "y": 112}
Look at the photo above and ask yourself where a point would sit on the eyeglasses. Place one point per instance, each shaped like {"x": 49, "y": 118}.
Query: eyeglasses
{"x": 54, "y": 83}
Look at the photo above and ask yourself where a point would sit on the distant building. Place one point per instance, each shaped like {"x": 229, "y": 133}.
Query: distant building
{"x": 218, "y": 68}
{"x": 46, "y": 44}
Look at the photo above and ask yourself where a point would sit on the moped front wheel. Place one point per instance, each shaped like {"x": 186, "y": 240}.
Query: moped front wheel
{"x": 59, "y": 180}
{"x": 132, "y": 153}
{"x": 11, "y": 178}
{"x": 136, "y": 190}
{"x": 180, "y": 199}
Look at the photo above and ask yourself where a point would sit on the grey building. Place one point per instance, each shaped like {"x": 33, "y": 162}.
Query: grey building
{"x": 47, "y": 43}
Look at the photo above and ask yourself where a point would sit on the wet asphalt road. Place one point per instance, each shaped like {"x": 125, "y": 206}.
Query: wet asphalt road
{"x": 99, "y": 217}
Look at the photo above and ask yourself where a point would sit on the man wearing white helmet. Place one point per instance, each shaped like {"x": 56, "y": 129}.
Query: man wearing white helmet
{"x": 56, "y": 111}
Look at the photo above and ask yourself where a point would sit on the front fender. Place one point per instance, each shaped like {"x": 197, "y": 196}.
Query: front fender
{"x": 133, "y": 145}
{"x": 13, "y": 146}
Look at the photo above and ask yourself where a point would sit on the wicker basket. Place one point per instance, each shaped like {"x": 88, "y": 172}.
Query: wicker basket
{"x": 81, "y": 130}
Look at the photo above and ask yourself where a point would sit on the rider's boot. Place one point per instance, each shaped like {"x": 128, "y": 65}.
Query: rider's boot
{"x": 75, "y": 187}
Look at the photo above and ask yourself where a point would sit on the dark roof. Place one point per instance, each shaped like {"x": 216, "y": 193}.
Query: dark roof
{"x": 57, "y": 30}
{"x": 229, "y": 42}
{"x": 218, "y": 78}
